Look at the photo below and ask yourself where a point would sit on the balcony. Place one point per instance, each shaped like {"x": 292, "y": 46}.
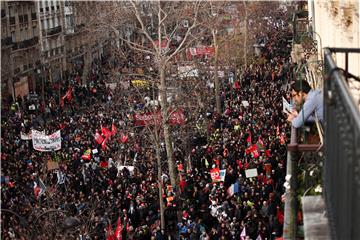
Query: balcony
{"x": 6, "y": 41}
{"x": 25, "y": 44}
{"x": 52, "y": 31}
{"x": 326, "y": 177}
{"x": 342, "y": 131}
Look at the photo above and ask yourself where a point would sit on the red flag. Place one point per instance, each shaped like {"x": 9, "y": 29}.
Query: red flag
{"x": 104, "y": 164}
{"x": 103, "y": 144}
{"x": 109, "y": 234}
{"x": 68, "y": 96}
{"x": 113, "y": 129}
{"x": 98, "y": 138}
{"x": 267, "y": 153}
{"x": 249, "y": 138}
{"x": 118, "y": 231}
{"x": 105, "y": 132}
{"x": 124, "y": 138}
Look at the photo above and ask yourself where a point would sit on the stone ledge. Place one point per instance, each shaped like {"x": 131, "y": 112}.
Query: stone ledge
{"x": 316, "y": 224}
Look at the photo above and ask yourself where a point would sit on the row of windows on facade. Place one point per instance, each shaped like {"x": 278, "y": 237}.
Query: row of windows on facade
{"x": 24, "y": 8}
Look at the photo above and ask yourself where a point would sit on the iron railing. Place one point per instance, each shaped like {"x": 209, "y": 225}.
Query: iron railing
{"x": 25, "y": 44}
{"x": 342, "y": 149}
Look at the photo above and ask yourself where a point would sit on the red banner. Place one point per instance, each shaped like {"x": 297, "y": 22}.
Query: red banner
{"x": 175, "y": 118}
{"x": 200, "y": 51}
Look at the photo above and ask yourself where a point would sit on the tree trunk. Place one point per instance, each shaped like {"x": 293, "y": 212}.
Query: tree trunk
{"x": 245, "y": 35}
{"x": 216, "y": 79}
{"x": 87, "y": 64}
{"x": 160, "y": 186}
{"x": 165, "y": 125}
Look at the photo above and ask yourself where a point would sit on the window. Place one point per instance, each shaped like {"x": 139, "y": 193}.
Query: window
{"x": 34, "y": 31}
{"x": 25, "y": 34}
{"x": 25, "y": 18}
{"x": 21, "y": 18}
{"x": 52, "y": 8}
{"x": 13, "y": 36}
{"x": 56, "y": 21}
{"x": 47, "y": 9}
{"x": 11, "y": 11}
{"x": 41, "y": 10}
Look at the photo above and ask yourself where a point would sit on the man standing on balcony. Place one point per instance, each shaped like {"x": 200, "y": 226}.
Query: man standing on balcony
{"x": 312, "y": 100}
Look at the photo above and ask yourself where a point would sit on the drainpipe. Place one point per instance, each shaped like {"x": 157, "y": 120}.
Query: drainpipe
{"x": 290, "y": 212}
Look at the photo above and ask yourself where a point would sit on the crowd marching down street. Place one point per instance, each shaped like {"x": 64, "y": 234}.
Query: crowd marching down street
{"x": 69, "y": 156}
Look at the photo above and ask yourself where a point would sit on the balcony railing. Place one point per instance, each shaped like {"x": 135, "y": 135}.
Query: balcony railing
{"x": 342, "y": 149}
{"x": 52, "y": 31}
{"x": 25, "y": 44}
{"x": 6, "y": 41}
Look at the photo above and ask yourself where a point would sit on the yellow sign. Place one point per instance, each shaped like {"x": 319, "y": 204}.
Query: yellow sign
{"x": 140, "y": 83}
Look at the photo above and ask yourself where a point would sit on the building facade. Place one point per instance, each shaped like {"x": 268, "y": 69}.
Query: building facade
{"x": 336, "y": 24}
{"x": 20, "y": 49}
{"x": 40, "y": 42}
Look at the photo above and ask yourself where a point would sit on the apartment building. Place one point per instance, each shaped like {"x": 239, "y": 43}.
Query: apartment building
{"x": 40, "y": 41}
{"x": 20, "y": 50}
{"x": 51, "y": 37}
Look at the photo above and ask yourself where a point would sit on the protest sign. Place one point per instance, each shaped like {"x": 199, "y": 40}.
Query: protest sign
{"x": 215, "y": 174}
{"x": 249, "y": 173}
{"x": 51, "y": 165}
{"x": 287, "y": 107}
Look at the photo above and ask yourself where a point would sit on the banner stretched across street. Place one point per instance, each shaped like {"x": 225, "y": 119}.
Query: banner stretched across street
{"x": 46, "y": 143}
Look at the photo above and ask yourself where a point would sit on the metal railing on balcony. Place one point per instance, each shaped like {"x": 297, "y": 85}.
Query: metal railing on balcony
{"x": 25, "y": 44}
{"x": 52, "y": 31}
{"x": 342, "y": 149}
{"x": 6, "y": 41}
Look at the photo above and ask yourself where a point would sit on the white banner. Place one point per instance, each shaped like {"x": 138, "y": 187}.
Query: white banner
{"x": 46, "y": 143}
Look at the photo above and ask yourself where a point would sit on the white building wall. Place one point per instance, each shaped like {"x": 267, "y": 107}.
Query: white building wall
{"x": 337, "y": 23}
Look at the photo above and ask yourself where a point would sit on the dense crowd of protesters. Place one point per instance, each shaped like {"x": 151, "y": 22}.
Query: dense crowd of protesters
{"x": 97, "y": 193}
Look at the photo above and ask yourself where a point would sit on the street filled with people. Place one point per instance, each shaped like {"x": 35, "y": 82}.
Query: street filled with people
{"x": 102, "y": 173}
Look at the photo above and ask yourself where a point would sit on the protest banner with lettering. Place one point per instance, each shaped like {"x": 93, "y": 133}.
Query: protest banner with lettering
{"x": 46, "y": 143}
